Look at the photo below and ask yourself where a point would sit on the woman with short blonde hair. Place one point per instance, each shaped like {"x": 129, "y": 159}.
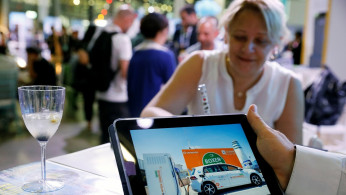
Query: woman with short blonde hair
{"x": 242, "y": 75}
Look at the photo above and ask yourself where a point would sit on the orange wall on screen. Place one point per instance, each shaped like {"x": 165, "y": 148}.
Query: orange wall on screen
{"x": 193, "y": 157}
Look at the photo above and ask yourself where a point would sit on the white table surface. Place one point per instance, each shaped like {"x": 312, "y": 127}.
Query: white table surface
{"x": 89, "y": 171}
{"x": 98, "y": 160}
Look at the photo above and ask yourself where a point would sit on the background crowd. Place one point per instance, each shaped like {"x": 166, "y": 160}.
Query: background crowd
{"x": 67, "y": 58}
{"x": 158, "y": 74}
{"x": 140, "y": 65}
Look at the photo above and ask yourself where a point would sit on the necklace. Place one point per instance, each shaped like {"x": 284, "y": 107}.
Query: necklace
{"x": 240, "y": 94}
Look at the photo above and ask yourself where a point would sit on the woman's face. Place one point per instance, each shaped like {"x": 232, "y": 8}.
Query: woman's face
{"x": 249, "y": 44}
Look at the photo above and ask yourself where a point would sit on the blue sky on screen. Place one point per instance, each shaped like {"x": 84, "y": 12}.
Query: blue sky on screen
{"x": 173, "y": 140}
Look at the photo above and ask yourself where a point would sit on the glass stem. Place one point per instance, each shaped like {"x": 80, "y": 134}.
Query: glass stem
{"x": 43, "y": 160}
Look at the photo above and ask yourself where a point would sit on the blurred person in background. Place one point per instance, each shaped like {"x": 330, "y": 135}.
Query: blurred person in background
{"x": 151, "y": 65}
{"x": 70, "y": 45}
{"x": 64, "y": 40}
{"x": 74, "y": 43}
{"x": 295, "y": 47}
{"x": 113, "y": 103}
{"x": 54, "y": 45}
{"x": 207, "y": 35}
{"x": 51, "y": 40}
{"x": 3, "y": 43}
{"x": 77, "y": 73}
{"x": 186, "y": 32}
{"x": 242, "y": 75}
{"x": 81, "y": 83}
{"x": 40, "y": 70}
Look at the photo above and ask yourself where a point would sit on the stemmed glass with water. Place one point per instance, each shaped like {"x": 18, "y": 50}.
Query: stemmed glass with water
{"x": 42, "y": 108}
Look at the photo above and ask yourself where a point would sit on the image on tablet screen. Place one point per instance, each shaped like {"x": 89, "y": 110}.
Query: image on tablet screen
{"x": 199, "y": 159}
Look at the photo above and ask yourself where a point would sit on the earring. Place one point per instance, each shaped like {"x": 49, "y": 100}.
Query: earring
{"x": 275, "y": 53}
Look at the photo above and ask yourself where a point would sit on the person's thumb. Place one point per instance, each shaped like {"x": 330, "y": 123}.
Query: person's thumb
{"x": 256, "y": 122}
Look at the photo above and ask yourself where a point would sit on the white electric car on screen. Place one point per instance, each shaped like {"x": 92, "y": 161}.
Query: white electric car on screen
{"x": 210, "y": 178}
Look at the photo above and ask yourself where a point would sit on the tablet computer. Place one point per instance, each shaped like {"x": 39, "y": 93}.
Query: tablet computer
{"x": 190, "y": 155}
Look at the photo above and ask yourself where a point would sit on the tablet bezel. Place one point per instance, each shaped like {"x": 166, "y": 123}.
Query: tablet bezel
{"x": 120, "y": 133}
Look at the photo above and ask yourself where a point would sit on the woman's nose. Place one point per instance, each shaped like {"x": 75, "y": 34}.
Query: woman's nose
{"x": 249, "y": 46}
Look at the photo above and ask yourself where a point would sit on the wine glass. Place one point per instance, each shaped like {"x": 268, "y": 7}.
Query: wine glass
{"x": 42, "y": 108}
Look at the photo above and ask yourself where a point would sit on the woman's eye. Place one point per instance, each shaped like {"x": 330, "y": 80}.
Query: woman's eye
{"x": 262, "y": 42}
{"x": 240, "y": 38}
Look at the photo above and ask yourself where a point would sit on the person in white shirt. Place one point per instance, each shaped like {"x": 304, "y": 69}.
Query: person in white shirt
{"x": 300, "y": 170}
{"x": 241, "y": 75}
{"x": 113, "y": 102}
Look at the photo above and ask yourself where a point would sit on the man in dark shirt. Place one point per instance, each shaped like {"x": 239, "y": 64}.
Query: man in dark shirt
{"x": 40, "y": 70}
{"x": 186, "y": 33}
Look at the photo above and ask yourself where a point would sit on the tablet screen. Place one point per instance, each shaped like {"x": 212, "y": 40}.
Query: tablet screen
{"x": 190, "y": 155}
{"x": 190, "y": 160}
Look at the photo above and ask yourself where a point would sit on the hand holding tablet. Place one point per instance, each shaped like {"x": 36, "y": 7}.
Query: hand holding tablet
{"x": 272, "y": 143}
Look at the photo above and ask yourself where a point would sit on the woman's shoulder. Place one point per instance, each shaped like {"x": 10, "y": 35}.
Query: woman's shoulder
{"x": 214, "y": 59}
{"x": 196, "y": 56}
{"x": 278, "y": 69}
{"x": 206, "y": 55}
{"x": 198, "y": 59}
{"x": 280, "y": 73}
{"x": 213, "y": 53}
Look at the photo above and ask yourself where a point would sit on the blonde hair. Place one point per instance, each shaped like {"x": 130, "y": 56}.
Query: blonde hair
{"x": 273, "y": 14}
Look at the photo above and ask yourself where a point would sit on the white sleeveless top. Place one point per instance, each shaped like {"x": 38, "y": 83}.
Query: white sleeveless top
{"x": 269, "y": 94}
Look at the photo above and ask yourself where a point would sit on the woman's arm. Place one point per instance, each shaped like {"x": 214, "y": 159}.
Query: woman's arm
{"x": 291, "y": 120}
{"x": 173, "y": 98}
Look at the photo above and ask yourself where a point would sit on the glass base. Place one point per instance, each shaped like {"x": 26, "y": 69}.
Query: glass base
{"x": 41, "y": 186}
